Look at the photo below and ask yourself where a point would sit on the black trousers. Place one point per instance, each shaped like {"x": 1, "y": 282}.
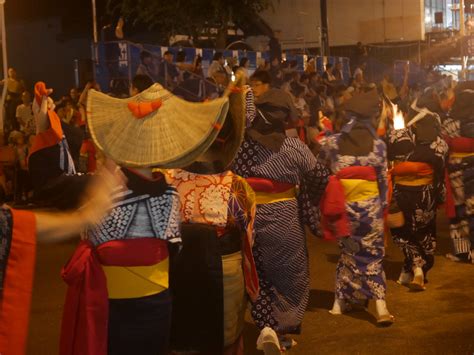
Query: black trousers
{"x": 140, "y": 326}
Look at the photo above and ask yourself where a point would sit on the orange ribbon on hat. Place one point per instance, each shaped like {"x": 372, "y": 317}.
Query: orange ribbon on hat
{"x": 142, "y": 109}
{"x": 41, "y": 91}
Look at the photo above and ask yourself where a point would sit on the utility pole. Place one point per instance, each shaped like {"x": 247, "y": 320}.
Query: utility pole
{"x": 5, "y": 59}
{"x": 464, "y": 57}
{"x": 324, "y": 28}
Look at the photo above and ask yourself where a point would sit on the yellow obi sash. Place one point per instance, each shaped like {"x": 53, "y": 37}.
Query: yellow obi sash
{"x": 460, "y": 155}
{"x": 409, "y": 173}
{"x": 412, "y": 180}
{"x": 137, "y": 281}
{"x": 359, "y": 189}
{"x": 264, "y": 198}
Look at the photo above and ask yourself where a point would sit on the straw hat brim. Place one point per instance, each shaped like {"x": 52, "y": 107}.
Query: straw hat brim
{"x": 237, "y": 113}
{"x": 171, "y": 137}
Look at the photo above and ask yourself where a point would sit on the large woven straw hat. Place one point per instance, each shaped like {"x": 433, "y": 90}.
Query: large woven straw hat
{"x": 154, "y": 128}
{"x": 237, "y": 94}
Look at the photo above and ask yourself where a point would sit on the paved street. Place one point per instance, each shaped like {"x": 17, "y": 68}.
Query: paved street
{"x": 437, "y": 321}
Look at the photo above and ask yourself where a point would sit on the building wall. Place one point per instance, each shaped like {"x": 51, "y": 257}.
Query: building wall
{"x": 298, "y": 21}
{"x": 36, "y": 50}
{"x": 350, "y": 21}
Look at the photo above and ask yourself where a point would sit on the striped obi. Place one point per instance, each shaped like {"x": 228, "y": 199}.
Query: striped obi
{"x": 349, "y": 185}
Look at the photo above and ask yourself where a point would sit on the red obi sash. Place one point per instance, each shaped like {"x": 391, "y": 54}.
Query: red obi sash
{"x": 84, "y": 328}
{"x": 456, "y": 145}
{"x": 268, "y": 186}
{"x": 15, "y": 302}
{"x": 335, "y": 222}
{"x": 461, "y": 144}
{"x": 410, "y": 168}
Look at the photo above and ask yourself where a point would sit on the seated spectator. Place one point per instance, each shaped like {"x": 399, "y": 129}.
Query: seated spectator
{"x": 147, "y": 66}
{"x": 23, "y": 184}
{"x": 359, "y": 72}
{"x": 24, "y": 115}
{"x": 329, "y": 79}
{"x": 197, "y": 66}
{"x": 168, "y": 74}
{"x": 339, "y": 73}
{"x": 220, "y": 79}
{"x": 300, "y": 102}
{"x": 244, "y": 67}
{"x": 216, "y": 65}
{"x": 310, "y": 66}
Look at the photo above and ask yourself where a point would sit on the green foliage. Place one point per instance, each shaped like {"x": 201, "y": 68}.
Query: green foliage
{"x": 189, "y": 17}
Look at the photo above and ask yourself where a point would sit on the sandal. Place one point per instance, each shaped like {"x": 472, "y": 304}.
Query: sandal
{"x": 385, "y": 320}
{"x": 417, "y": 284}
{"x": 268, "y": 342}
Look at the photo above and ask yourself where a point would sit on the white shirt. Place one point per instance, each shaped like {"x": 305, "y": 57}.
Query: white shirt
{"x": 24, "y": 114}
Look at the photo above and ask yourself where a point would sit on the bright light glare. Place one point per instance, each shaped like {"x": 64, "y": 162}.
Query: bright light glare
{"x": 233, "y": 77}
{"x": 398, "y": 120}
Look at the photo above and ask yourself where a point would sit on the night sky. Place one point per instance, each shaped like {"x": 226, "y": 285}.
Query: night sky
{"x": 76, "y": 15}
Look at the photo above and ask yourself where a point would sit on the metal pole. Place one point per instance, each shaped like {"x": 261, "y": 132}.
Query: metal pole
{"x": 461, "y": 32}
{"x": 324, "y": 28}
{"x": 94, "y": 22}
{"x": 5, "y": 64}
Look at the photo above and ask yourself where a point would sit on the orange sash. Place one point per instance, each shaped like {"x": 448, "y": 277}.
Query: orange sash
{"x": 18, "y": 283}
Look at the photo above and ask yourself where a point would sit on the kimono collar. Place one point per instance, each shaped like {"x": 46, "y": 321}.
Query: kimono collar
{"x": 142, "y": 185}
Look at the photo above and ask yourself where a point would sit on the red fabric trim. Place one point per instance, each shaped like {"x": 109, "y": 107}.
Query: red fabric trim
{"x": 449, "y": 205}
{"x": 408, "y": 168}
{"x": 358, "y": 172}
{"x": 267, "y": 185}
{"x": 335, "y": 221}
{"x": 18, "y": 284}
{"x": 461, "y": 145}
{"x": 86, "y": 309}
{"x": 51, "y": 136}
{"x": 250, "y": 270}
{"x": 135, "y": 252}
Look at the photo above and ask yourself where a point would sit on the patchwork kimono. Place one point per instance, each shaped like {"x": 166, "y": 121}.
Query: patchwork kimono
{"x": 215, "y": 270}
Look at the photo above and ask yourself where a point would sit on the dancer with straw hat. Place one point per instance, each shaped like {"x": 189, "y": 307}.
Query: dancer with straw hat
{"x": 118, "y": 300}
{"x": 215, "y": 270}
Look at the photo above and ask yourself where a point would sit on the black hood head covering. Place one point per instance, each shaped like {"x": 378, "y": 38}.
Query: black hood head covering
{"x": 463, "y": 106}
{"x": 364, "y": 105}
{"x": 357, "y": 137}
